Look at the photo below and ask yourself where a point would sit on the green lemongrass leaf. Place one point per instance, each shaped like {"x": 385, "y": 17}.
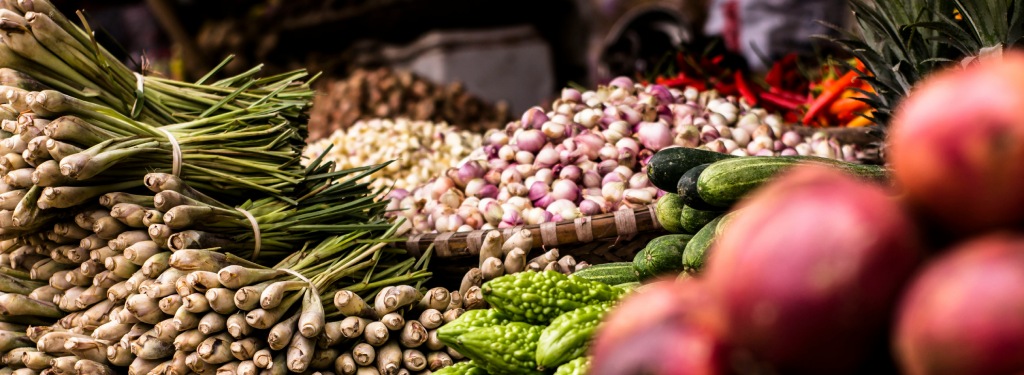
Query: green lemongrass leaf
{"x": 215, "y": 69}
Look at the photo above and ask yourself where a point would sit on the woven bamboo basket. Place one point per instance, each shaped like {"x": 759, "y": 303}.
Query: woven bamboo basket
{"x": 604, "y": 238}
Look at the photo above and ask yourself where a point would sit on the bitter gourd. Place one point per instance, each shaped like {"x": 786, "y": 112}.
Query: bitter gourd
{"x": 569, "y": 335}
{"x": 468, "y": 321}
{"x": 509, "y": 349}
{"x": 538, "y": 297}
{"x": 578, "y": 366}
{"x": 462, "y": 368}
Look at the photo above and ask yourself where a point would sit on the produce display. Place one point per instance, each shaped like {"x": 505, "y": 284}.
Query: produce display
{"x": 820, "y": 251}
{"x": 589, "y": 154}
{"x": 419, "y": 150}
{"x": 387, "y": 93}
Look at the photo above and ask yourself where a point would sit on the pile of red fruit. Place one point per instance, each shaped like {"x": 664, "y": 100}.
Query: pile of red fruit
{"x": 822, "y": 273}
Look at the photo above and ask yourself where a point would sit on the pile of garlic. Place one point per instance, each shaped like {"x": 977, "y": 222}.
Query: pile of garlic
{"x": 421, "y": 150}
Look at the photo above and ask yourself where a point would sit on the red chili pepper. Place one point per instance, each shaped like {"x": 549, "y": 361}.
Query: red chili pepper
{"x": 788, "y": 94}
{"x": 829, "y": 94}
{"x": 779, "y": 101}
{"x": 744, "y": 89}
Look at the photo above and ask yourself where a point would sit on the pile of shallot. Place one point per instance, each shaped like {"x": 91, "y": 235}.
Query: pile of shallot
{"x": 588, "y": 155}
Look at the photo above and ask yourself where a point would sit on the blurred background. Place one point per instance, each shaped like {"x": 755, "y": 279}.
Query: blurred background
{"x": 425, "y": 58}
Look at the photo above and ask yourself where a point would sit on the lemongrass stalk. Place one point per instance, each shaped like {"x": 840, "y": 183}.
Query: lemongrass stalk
{"x": 199, "y": 260}
{"x": 201, "y": 281}
{"x": 16, "y": 357}
{"x": 364, "y": 354}
{"x": 245, "y": 349}
{"x": 69, "y": 196}
{"x": 350, "y": 304}
{"x": 300, "y": 353}
{"x": 118, "y": 292}
{"x": 215, "y": 350}
{"x": 281, "y": 333}
{"x": 19, "y": 178}
{"x": 196, "y": 303}
{"x": 230, "y": 368}
{"x": 101, "y": 254}
{"x": 108, "y": 227}
{"x": 78, "y": 278}
{"x": 431, "y": 319}
{"x": 159, "y": 182}
{"x": 246, "y": 368}
{"x": 170, "y": 304}
{"x": 86, "y": 366}
{"x": 312, "y": 318}
{"x": 129, "y": 213}
{"x": 413, "y": 334}
{"x": 199, "y": 366}
{"x": 221, "y": 300}
{"x": 55, "y": 342}
{"x": 177, "y": 364}
{"x": 64, "y": 365}
{"x": 394, "y": 321}
{"x": 212, "y": 322}
{"x": 45, "y": 268}
{"x": 36, "y": 360}
{"x": 87, "y": 218}
{"x": 142, "y": 366}
{"x": 61, "y": 150}
{"x": 9, "y": 284}
{"x": 119, "y": 355}
{"x": 159, "y": 233}
{"x": 263, "y": 358}
{"x": 189, "y": 340}
{"x": 345, "y": 364}
{"x": 376, "y": 333}
{"x": 277, "y": 292}
{"x": 14, "y": 78}
{"x": 353, "y": 326}
{"x": 74, "y": 129}
{"x": 139, "y": 252}
{"x": 184, "y": 320}
{"x": 44, "y": 293}
{"x": 111, "y": 331}
{"x": 155, "y": 264}
{"x": 435, "y": 298}
{"x": 92, "y": 242}
{"x": 88, "y": 268}
{"x": 119, "y": 266}
{"x": 109, "y": 200}
{"x": 237, "y": 276}
{"x": 10, "y": 199}
{"x": 105, "y": 279}
{"x": 90, "y": 296}
{"x": 71, "y": 230}
{"x": 87, "y": 348}
{"x": 13, "y": 145}
{"x": 193, "y": 239}
{"x": 153, "y": 217}
{"x": 144, "y": 308}
{"x": 237, "y": 327}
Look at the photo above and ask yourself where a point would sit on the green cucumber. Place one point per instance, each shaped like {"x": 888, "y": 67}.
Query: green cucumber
{"x": 669, "y": 209}
{"x": 696, "y": 250}
{"x": 610, "y": 273}
{"x": 686, "y": 187}
{"x": 667, "y": 165}
{"x": 661, "y": 256}
{"x": 693, "y": 220}
{"x": 726, "y": 182}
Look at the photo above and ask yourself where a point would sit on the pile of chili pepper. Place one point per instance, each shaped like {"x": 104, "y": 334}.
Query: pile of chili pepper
{"x": 826, "y": 97}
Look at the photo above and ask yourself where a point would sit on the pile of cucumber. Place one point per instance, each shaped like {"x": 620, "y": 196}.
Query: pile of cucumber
{"x": 703, "y": 186}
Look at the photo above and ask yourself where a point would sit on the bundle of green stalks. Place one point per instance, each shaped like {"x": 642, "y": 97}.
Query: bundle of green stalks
{"x": 87, "y": 125}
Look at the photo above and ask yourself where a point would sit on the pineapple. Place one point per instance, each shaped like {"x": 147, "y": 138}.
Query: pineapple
{"x": 901, "y": 41}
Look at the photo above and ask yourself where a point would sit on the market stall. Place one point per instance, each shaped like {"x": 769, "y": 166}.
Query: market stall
{"x": 840, "y": 215}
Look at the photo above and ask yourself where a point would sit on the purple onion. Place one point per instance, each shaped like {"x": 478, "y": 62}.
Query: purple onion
{"x": 628, "y": 143}
{"x": 474, "y": 186}
{"x": 608, "y": 152}
{"x": 627, "y": 159}
{"x": 591, "y": 179}
{"x": 543, "y": 202}
{"x": 572, "y": 95}
{"x": 612, "y": 177}
{"x": 661, "y": 93}
{"x": 547, "y": 157}
{"x": 788, "y": 152}
{"x": 571, "y": 173}
{"x": 621, "y": 81}
{"x": 629, "y": 114}
{"x": 510, "y": 219}
{"x": 397, "y": 194}
{"x": 639, "y": 181}
{"x": 544, "y": 175}
{"x": 507, "y": 153}
{"x": 764, "y": 152}
{"x": 791, "y": 138}
{"x": 497, "y": 139}
{"x": 517, "y": 189}
{"x": 530, "y": 140}
{"x": 565, "y": 189}
{"x": 645, "y": 157}
{"x": 488, "y": 191}
{"x": 779, "y": 146}
{"x": 525, "y": 157}
{"x": 589, "y": 207}
{"x": 469, "y": 170}
{"x": 624, "y": 171}
{"x": 511, "y": 175}
{"x": 491, "y": 151}
{"x": 607, "y": 166}
{"x": 589, "y": 144}
{"x": 493, "y": 176}
{"x": 534, "y": 117}
{"x": 538, "y": 190}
